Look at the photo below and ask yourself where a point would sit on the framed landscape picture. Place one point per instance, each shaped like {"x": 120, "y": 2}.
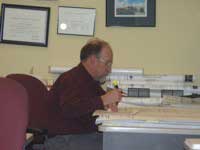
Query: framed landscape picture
{"x": 132, "y": 13}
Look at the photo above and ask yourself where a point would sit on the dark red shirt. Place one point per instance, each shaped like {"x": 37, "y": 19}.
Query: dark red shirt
{"x": 75, "y": 96}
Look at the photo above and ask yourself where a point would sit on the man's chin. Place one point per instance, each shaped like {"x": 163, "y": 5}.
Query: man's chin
{"x": 102, "y": 80}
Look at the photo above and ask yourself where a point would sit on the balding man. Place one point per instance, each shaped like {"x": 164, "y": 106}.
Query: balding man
{"x": 78, "y": 94}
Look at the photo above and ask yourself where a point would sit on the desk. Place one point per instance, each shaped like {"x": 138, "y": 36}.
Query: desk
{"x": 135, "y": 138}
{"x": 149, "y": 128}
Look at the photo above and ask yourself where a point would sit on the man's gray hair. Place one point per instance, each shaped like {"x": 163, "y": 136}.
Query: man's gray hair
{"x": 93, "y": 47}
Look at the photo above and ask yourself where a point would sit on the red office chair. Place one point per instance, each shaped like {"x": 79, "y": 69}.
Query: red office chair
{"x": 38, "y": 105}
{"x": 13, "y": 114}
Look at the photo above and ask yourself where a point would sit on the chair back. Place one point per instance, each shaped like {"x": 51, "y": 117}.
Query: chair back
{"x": 37, "y": 93}
{"x": 13, "y": 114}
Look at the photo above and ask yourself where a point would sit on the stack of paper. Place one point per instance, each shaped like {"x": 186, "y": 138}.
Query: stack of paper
{"x": 143, "y": 101}
{"x": 151, "y": 117}
{"x": 169, "y": 101}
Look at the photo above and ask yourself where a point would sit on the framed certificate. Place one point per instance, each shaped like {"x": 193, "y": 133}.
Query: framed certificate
{"x": 26, "y": 25}
{"x": 76, "y": 21}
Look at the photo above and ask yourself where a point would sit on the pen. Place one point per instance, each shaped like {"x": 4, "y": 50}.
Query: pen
{"x": 115, "y": 84}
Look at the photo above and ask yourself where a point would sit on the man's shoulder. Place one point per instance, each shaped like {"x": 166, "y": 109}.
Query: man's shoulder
{"x": 69, "y": 72}
{"x": 72, "y": 73}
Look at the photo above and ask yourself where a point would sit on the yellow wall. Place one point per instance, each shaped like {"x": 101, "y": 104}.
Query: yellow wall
{"x": 173, "y": 46}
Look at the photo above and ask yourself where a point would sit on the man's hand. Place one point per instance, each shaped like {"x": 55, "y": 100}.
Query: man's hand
{"x": 113, "y": 107}
{"x": 112, "y": 97}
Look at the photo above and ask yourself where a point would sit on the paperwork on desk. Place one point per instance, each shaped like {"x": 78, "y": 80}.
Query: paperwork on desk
{"x": 161, "y": 116}
{"x": 192, "y": 144}
{"x": 172, "y": 101}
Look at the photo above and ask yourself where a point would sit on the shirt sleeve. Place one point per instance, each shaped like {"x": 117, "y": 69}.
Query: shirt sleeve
{"x": 73, "y": 104}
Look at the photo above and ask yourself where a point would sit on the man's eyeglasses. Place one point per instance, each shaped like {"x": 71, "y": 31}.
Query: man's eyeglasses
{"x": 107, "y": 63}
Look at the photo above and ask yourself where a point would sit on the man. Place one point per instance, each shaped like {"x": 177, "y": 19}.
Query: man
{"x": 78, "y": 94}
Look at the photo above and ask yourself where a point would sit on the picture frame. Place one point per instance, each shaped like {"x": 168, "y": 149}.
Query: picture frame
{"x": 24, "y": 25}
{"x": 131, "y": 13}
{"x": 76, "y": 21}
{"x": 0, "y": 28}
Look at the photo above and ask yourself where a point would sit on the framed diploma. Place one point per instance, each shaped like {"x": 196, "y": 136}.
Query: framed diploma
{"x": 76, "y": 21}
{"x": 26, "y": 25}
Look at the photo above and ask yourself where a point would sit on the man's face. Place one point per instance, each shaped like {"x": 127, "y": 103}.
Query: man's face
{"x": 104, "y": 63}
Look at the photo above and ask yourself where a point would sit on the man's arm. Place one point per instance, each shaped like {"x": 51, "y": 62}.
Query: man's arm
{"x": 77, "y": 106}
{"x": 75, "y": 101}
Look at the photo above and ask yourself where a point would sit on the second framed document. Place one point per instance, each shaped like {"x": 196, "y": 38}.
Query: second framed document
{"x": 76, "y": 21}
